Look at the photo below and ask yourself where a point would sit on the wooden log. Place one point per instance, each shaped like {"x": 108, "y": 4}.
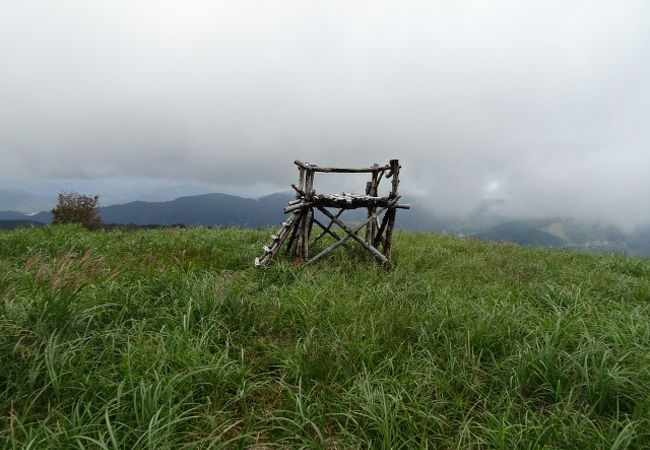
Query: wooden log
{"x": 308, "y": 215}
{"x": 394, "y": 169}
{"x": 299, "y": 191}
{"x": 277, "y": 239}
{"x": 316, "y": 168}
{"x": 388, "y": 240}
{"x": 369, "y": 226}
{"x": 301, "y": 205}
{"x": 371, "y": 190}
{"x": 351, "y": 233}
{"x": 326, "y": 230}
{"x": 301, "y": 185}
{"x": 297, "y": 245}
{"x": 349, "y": 201}
{"x": 309, "y": 221}
{"x": 380, "y": 232}
{"x": 301, "y": 178}
{"x": 292, "y": 240}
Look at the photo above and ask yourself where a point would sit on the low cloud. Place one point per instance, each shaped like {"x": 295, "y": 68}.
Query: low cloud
{"x": 543, "y": 105}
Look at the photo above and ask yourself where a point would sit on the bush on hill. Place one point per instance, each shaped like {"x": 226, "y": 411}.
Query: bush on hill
{"x": 76, "y": 208}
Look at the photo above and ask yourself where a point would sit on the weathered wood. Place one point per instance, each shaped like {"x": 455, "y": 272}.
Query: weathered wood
{"x": 298, "y": 228}
{"x": 394, "y": 170}
{"x": 299, "y": 192}
{"x": 277, "y": 240}
{"x": 351, "y": 233}
{"x": 326, "y": 230}
{"x": 380, "y": 232}
{"x": 301, "y": 178}
{"x": 315, "y": 168}
{"x": 371, "y": 190}
{"x": 292, "y": 239}
{"x": 388, "y": 240}
{"x": 338, "y": 214}
{"x": 301, "y": 205}
{"x": 308, "y": 216}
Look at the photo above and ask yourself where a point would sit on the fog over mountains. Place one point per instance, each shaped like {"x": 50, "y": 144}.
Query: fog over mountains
{"x": 541, "y": 104}
{"x": 266, "y": 211}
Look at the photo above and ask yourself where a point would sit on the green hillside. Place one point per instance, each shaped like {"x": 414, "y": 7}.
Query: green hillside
{"x": 171, "y": 339}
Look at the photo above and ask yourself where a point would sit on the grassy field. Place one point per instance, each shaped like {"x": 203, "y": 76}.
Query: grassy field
{"x": 170, "y": 338}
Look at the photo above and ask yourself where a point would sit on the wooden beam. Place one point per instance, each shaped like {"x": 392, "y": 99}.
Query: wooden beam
{"x": 315, "y": 168}
{"x": 296, "y": 206}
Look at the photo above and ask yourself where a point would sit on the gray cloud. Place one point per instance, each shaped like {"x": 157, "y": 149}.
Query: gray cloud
{"x": 545, "y": 105}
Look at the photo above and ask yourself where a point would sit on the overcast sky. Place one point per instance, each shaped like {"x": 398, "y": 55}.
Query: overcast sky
{"x": 544, "y": 105}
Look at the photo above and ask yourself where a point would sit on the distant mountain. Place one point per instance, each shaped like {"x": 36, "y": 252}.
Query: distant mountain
{"x": 526, "y": 232}
{"x": 24, "y": 202}
{"x": 222, "y": 210}
{"x": 13, "y": 215}
{"x": 567, "y": 233}
{"x": 207, "y": 209}
{"x": 11, "y": 224}
{"x": 230, "y": 210}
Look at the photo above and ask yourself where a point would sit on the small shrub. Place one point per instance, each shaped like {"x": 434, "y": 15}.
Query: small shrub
{"x": 76, "y": 208}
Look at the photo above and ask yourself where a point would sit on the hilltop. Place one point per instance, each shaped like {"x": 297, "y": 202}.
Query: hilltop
{"x": 169, "y": 338}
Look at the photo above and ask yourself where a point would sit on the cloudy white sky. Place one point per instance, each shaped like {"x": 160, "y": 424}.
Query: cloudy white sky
{"x": 544, "y": 105}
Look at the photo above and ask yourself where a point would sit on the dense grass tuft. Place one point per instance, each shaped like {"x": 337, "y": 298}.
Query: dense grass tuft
{"x": 170, "y": 338}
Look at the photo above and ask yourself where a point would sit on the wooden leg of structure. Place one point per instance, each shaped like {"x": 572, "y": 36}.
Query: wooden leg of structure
{"x": 390, "y": 224}
{"x": 293, "y": 240}
{"x": 379, "y": 238}
{"x": 307, "y": 224}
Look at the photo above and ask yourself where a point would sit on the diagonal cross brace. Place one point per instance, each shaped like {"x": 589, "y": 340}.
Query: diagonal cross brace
{"x": 326, "y": 229}
{"x": 352, "y": 233}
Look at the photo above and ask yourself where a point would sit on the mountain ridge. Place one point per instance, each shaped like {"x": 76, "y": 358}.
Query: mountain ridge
{"x": 219, "y": 209}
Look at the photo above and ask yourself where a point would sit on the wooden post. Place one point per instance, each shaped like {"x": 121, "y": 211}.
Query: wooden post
{"x": 390, "y": 214}
{"x": 371, "y": 189}
{"x": 394, "y": 170}
{"x": 388, "y": 239}
{"x": 307, "y": 216}
{"x": 296, "y": 242}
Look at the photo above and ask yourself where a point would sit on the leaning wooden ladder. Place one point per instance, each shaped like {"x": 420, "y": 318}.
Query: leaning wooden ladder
{"x": 297, "y": 229}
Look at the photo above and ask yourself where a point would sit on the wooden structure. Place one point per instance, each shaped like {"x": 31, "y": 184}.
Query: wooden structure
{"x": 298, "y": 227}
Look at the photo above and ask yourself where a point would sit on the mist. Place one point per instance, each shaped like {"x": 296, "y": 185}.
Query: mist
{"x": 542, "y": 108}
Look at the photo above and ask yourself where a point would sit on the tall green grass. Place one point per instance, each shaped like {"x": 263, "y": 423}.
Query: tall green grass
{"x": 171, "y": 339}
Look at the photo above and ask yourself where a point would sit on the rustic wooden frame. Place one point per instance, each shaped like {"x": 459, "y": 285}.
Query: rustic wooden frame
{"x": 299, "y": 226}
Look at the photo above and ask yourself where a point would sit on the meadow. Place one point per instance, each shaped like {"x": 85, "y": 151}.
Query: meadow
{"x": 171, "y": 339}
